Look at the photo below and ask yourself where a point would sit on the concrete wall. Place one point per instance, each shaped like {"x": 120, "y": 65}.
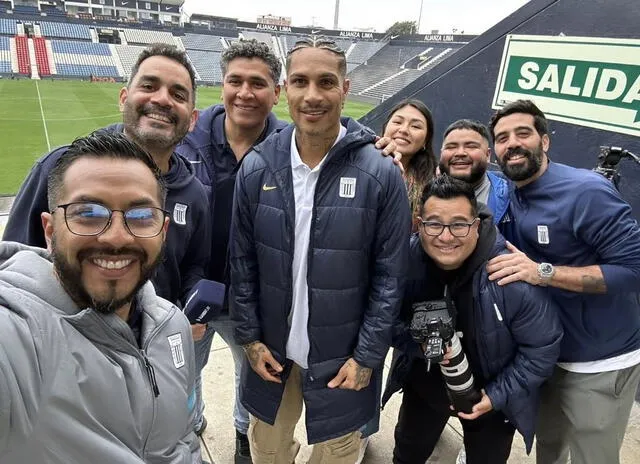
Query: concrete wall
{"x": 463, "y": 85}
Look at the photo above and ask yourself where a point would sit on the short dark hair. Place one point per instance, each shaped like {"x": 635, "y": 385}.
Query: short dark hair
{"x": 168, "y": 51}
{"x": 446, "y": 187}
{"x": 468, "y": 124}
{"x": 423, "y": 163}
{"x": 521, "y": 106}
{"x": 251, "y": 49}
{"x": 100, "y": 144}
{"x": 324, "y": 44}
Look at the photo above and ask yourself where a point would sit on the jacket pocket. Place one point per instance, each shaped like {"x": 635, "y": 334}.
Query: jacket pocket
{"x": 321, "y": 373}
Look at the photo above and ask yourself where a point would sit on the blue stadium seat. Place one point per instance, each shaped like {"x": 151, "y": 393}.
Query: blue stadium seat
{"x": 83, "y": 70}
{"x": 66, "y": 30}
{"x": 7, "y": 26}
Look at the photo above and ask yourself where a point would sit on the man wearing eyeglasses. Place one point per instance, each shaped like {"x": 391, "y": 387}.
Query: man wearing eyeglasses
{"x": 94, "y": 366}
{"x": 510, "y": 334}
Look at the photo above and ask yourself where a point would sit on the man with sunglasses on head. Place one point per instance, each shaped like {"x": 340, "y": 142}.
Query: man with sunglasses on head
{"x": 94, "y": 365}
{"x": 510, "y": 334}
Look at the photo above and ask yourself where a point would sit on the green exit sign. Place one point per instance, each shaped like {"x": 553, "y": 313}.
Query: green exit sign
{"x": 588, "y": 81}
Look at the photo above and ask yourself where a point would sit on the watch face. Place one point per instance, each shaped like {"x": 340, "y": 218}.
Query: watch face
{"x": 546, "y": 268}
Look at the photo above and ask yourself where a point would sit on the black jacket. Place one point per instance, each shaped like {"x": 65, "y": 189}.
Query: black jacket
{"x": 207, "y": 149}
{"x": 356, "y": 267}
{"x": 517, "y": 336}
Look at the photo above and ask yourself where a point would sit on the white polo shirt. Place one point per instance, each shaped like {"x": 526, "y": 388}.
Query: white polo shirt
{"x": 304, "y": 188}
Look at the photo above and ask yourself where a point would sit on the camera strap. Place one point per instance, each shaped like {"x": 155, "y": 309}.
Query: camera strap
{"x": 451, "y": 307}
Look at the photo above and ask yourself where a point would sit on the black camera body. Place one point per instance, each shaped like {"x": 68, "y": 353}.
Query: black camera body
{"x": 608, "y": 162}
{"x": 433, "y": 326}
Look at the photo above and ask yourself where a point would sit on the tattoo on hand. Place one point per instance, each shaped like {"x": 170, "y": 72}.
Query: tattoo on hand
{"x": 363, "y": 375}
{"x": 592, "y": 284}
{"x": 254, "y": 352}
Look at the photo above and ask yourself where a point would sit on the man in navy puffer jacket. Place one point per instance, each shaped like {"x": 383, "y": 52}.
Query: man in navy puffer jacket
{"x": 318, "y": 258}
{"x": 511, "y": 335}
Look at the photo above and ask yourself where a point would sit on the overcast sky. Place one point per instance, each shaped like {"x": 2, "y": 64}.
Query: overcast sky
{"x": 471, "y": 16}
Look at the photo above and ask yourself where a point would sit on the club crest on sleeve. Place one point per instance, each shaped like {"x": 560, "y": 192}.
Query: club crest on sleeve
{"x": 180, "y": 214}
{"x": 347, "y": 187}
{"x": 177, "y": 352}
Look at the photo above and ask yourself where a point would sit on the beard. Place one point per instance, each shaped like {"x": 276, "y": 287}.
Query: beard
{"x": 525, "y": 170}
{"x": 151, "y": 139}
{"x": 477, "y": 171}
{"x": 70, "y": 277}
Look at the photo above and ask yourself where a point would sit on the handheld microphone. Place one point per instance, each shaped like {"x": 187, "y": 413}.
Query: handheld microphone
{"x": 205, "y": 301}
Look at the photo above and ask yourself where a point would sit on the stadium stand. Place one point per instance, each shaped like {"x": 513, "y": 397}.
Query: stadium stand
{"x": 42, "y": 60}
{"x": 128, "y": 55}
{"x": 259, "y": 36}
{"x": 65, "y": 30}
{"x": 80, "y": 48}
{"x": 85, "y": 70}
{"x": 52, "y": 11}
{"x": 363, "y": 51}
{"x": 22, "y": 49}
{"x": 140, "y": 36}
{"x": 5, "y": 55}
{"x": 7, "y": 26}
{"x": 210, "y": 43}
{"x": 69, "y": 47}
{"x": 26, "y": 10}
{"x": 207, "y": 65}
{"x": 83, "y": 59}
{"x": 387, "y": 71}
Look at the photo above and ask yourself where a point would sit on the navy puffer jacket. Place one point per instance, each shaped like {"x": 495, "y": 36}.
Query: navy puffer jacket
{"x": 357, "y": 261}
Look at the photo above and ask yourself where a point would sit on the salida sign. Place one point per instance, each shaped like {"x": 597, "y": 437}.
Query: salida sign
{"x": 588, "y": 81}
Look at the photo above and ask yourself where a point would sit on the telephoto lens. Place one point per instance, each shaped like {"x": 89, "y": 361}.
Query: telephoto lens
{"x": 459, "y": 379}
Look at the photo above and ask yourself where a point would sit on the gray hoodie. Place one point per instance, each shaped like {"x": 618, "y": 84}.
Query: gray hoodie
{"x": 74, "y": 385}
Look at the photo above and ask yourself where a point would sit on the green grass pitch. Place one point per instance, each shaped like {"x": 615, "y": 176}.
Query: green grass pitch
{"x": 70, "y": 109}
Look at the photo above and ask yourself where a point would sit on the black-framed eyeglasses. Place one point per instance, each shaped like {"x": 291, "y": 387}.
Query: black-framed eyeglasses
{"x": 457, "y": 229}
{"x": 87, "y": 219}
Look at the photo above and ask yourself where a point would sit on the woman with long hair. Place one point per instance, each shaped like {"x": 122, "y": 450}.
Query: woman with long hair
{"x": 410, "y": 126}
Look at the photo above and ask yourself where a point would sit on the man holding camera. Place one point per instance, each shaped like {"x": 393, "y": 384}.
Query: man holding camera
{"x": 509, "y": 334}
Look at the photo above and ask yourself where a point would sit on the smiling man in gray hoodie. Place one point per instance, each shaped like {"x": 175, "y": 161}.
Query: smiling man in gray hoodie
{"x": 94, "y": 366}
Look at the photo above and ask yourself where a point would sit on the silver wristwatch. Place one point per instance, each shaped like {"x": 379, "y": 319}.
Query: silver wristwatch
{"x": 546, "y": 272}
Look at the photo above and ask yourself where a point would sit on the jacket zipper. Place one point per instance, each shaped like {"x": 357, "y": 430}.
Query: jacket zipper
{"x": 151, "y": 373}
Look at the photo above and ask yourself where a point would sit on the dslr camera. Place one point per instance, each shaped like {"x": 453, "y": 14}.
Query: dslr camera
{"x": 432, "y": 326}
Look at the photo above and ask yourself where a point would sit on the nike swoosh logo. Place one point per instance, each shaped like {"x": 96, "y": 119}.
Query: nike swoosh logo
{"x": 267, "y": 188}
{"x": 195, "y": 162}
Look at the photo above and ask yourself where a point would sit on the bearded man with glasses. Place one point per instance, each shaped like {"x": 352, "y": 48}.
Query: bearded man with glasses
{"x": 94, "y": 365}
{"x": 510, "y": 334}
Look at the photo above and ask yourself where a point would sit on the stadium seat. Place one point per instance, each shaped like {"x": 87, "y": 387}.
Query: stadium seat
{"x": 42, "y": 60}
{"x": 207, "y": 65}
{"x": 7, "y": 26}
{"x": 83, "y": 58}
{"x": 210, "y": 43}
{"x": 140, "y": 36}
{"x": 65, "y": 30}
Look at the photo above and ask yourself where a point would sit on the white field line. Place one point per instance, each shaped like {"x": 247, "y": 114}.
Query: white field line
{"x": 44, "y": 121}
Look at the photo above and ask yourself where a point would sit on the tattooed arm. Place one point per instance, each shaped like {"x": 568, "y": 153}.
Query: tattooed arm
{"x": 263, "y": 362}
{"x": 352, "y": 376}
{"x": 516, "y": 266}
